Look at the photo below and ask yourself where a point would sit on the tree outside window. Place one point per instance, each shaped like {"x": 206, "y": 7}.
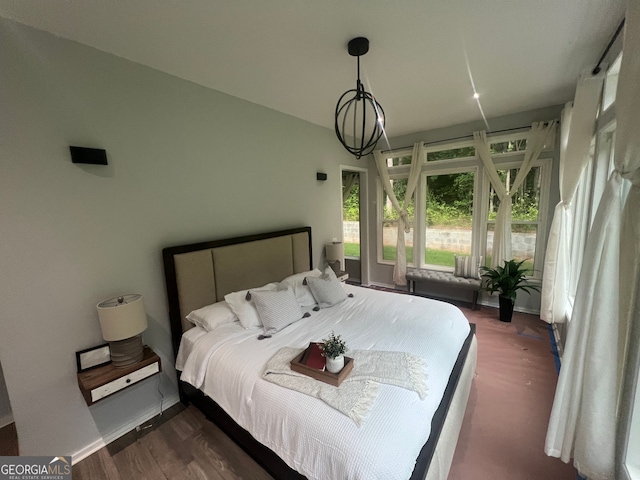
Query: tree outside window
{"x": 449, "y": 217}
{"x": 351, "y": 222}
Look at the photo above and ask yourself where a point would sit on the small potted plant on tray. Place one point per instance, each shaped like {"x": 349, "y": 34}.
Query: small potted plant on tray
{"x": 507, "y": 281}
{"x": 333, "y": 349}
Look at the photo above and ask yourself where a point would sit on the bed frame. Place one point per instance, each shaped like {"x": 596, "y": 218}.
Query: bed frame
{"x": 202, "y": 273}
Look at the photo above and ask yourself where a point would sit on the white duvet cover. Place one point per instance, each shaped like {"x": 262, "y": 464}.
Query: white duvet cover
{"x": 311, "y": 437}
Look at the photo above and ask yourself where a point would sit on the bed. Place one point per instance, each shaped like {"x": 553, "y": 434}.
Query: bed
{"x": 293, "y": 435}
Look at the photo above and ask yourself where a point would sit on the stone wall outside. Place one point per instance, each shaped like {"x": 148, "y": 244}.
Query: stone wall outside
{"x": 450, "y": 239}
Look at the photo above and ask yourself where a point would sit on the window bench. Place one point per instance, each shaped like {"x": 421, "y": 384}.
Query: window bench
{"x": 444, "y": 278}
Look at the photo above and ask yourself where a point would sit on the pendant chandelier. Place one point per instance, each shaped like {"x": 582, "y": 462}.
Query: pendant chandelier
{"x": 359, "y": 118}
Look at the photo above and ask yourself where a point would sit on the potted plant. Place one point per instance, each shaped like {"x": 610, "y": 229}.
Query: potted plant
{"x": 333, "y": 349}
{"x": 507, "y": 281}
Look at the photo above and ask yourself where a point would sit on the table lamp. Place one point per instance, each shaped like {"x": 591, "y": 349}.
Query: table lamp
{"x": 123, "y": 320}
{"x": 335, "y": 255}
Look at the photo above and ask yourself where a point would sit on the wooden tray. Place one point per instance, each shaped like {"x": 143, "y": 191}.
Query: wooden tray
{"x": 334, "y": 379}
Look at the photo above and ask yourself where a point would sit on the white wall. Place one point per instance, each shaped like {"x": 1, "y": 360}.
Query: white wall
{"x": 6, "y": 415}
{"x": 185, "y": 164}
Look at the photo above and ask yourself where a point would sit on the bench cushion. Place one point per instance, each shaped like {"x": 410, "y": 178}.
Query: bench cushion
{"x": 443, "y": 277}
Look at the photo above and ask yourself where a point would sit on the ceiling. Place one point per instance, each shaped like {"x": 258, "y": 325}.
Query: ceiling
{"x": 291, "y": 55}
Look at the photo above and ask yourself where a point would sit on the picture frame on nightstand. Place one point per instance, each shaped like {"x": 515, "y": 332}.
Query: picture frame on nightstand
{"x": 93, "y": 357}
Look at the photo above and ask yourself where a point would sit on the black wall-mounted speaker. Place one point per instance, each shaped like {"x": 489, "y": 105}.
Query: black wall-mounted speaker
{"x": 93, "y": 156}
{"x": 321, "y": 176}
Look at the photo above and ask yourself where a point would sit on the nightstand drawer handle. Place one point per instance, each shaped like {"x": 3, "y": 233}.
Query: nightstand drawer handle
{"x": 128, "y": 380}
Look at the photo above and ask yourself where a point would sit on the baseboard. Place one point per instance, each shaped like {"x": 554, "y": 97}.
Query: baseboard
{"x": 386, "y": 285}
{"x": 6, "y": 420}
{"x": 531, "y": 311}
{"x": 88, "y": 450}
{"x": 484, "y": 302}
{"x": 109, "y": 437}
{"x": 556, "y": 336}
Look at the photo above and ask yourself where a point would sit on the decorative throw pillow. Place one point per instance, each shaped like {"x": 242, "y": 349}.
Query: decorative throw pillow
{"x": 300, "y": 289}
{"x": 213, "y": 315}
{"x": 277, "y": 309}
{"x": 245, "y": 309}
{"x": 466, "y": 266}
{"x": 327, "y": 289}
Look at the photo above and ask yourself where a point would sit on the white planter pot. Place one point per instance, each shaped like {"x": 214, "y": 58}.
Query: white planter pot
{"x": 334, "y": 365}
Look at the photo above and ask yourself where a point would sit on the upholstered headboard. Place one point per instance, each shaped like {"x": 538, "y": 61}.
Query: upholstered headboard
{"x": 202, "y": 273}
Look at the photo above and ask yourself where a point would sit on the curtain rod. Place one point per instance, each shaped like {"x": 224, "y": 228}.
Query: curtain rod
{"x": 596, "y": 70}
{"x": 459, "y": 138}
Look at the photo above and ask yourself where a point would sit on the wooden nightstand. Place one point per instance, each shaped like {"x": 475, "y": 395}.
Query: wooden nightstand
{"x": 101, "y": 382}
{"x": 342, "y": 276}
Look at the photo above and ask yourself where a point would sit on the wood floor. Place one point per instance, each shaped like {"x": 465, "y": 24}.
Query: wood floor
{"x": 502, "y": 435}
{"x": 9, "y": 441}
{"x": 185, "y": 446}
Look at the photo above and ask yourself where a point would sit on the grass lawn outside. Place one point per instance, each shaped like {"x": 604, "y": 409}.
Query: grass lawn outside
{"x": 434, "y": 257}
{"x": 443, "y": 258}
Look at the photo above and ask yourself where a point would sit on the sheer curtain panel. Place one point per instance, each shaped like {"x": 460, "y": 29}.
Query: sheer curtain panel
{"x": 348, "y": 182}
{"x": 400, "y": 268}
{"x": 577, "y": 127}
{"x": 538, "y": 136}
{"x": 585, "y": 412}
{"x": 627, "y": 161}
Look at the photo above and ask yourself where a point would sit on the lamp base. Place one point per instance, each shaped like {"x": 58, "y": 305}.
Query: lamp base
{"x": 126, "y": 352}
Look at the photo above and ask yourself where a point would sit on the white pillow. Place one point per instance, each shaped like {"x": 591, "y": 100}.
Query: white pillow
{"x": 277, "y": 309}
{"x": 327, "y": 289}
{"x": 213, "y": 315}
{"x": 466, "y": 266}
{"x": 245, "y": 309}
{"x": 303, "y": 294}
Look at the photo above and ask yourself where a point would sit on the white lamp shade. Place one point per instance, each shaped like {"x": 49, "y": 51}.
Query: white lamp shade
{"x": 335, "y": 252}
{"x": 122, "y": 317}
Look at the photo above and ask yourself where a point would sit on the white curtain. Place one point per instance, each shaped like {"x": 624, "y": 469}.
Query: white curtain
{"x": 581, "y": 206}
{"x": 536, "y": 140}
{"x": 577, "y": 127}
{"x": 627, "y": 161}
{"x": 584, "y": 416}
{"x": 349, "y": 181}
{"x": 400, "y": 268}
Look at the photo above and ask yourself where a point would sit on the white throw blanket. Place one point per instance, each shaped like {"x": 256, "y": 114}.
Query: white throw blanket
{"x": 356, "y": 394}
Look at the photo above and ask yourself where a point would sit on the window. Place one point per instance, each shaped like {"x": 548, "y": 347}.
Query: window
{"x": 511, "y": 146}
{"x": 507, "y": 145}
{"x": 455, "y": 207}
{"x": 448, "y": 217}
{"x": 351, "y": 220}
{"x": 398, "y": 161}
{"x": 526, "y": 215}
{"x": 453, "y": 153}
{"x": 632, "y": 461}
